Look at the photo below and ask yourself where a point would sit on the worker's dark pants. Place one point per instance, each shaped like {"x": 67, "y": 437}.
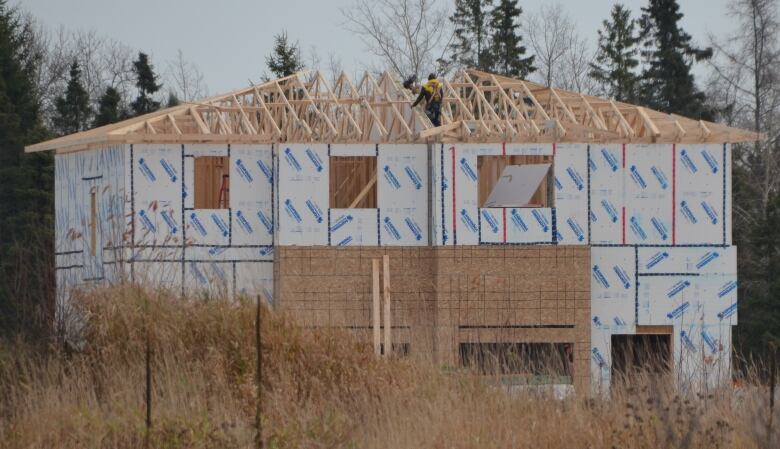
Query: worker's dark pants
{"x": 433, "y": 111}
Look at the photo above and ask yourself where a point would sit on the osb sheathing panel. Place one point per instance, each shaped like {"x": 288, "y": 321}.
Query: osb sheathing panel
{"x": 442, "y": 297}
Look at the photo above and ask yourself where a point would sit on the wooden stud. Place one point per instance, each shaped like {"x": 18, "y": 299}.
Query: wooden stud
{"x": 93, "y": 221}
{"x": 388, "y": 324}
{"x": 376, "y": 308}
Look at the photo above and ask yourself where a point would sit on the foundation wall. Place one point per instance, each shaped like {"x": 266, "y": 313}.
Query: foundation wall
{"x": 445, "y": 296}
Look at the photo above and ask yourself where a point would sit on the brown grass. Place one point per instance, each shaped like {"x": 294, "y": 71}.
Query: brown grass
{"x": 320, "y": 389}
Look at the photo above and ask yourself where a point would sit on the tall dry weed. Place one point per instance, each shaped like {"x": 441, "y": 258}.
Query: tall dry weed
{"x": 320, "y": 389}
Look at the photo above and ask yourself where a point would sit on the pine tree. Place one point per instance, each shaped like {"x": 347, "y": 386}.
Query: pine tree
{"x": 285, "y": 59}
{"x": 617, "y": 54}
{"x": 146, "y": 82}
{"x": 26, "y": 187}
{"x": 109, "y": 108}
{"x": 73, "y": 109}
{"x": 173, "y": 100}
{"x": 472, "y": 34}
{"x": 667, "y": 82}
{"x": 506, "y": 48}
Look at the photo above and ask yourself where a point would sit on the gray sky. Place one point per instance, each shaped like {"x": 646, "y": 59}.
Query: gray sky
{"x": 229, "y": 39}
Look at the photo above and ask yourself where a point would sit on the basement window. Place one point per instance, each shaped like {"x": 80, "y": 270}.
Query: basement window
{"x": 399, "y": 349}
{"x": 524, "y": 362}
{"x": 353, "y": 182}
{"x": 212, "y": 182}
{"x": 515, "y": 181}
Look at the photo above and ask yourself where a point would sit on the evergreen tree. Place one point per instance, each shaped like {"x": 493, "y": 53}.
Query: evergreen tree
{"x": 472, "y": 34}
{"x": 109, "y": 108}
{"x": 146, "y": 82}
{"x": 73, "y": 109}
{"x": 506, "y": 48}
{"x": 285, "y": 59}
{"x": 617, "y": 54}
{"x": 667, "y": 82}
{"x": 26, "y": 186}
{"x": 173, "y": 100}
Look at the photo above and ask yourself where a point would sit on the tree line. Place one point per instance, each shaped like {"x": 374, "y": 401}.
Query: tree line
{"x": 54, "y": 84}
{"x": 58, "y": 83}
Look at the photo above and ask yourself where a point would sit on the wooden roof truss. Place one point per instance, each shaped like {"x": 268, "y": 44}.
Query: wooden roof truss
{"x": 477, "y": 107}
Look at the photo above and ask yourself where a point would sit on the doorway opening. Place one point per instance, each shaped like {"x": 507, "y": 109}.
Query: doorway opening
{"x": 649, "y": 354}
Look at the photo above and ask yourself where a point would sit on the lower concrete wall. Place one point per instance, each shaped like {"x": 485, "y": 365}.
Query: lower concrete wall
{"x": 442, "y": 297}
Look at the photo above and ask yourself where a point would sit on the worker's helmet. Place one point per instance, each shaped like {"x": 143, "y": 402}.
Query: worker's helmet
{"x": 432, "y": 76}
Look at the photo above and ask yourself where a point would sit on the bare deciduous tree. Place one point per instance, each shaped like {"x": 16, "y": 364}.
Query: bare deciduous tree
{"x": 563, "y": 56}
{"x": 548, "y": 34}
{"x": 104, "y": 62}
{"x": 746, "y": 83}
{"x": 409, "y": 36}
{"x": 574, "y": 71}
{"x": 335, "y": 68}
{"x": 184, "y": 79}
{"x": 746, "y": 88}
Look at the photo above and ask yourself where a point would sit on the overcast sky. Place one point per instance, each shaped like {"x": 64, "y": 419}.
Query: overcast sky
{"x": 229, "y": 39}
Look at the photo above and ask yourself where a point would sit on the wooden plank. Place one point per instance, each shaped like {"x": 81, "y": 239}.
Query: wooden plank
{"x": 388, "y": 324}
{"x": 654, "y": 330}
{"x": 173, "y": 123}
{"x": 376, "y": 307}
{"x": 199, "y": 120}
{"x": 649, "y": 123}
{"x": 363, "y": 192}
{"x": 244, "y": 118}
{"x": 439, "y": 130}
{"x": 705, "y": 131}
{"x": 93, "y": 222}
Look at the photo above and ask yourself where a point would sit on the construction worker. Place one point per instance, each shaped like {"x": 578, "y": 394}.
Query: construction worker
{"x": 433, "y": 93}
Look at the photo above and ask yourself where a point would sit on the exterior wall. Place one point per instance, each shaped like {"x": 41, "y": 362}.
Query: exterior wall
{"x": 660, "y": 229}
{"x": 305, "y": 218}
{"x": 442, "y": 297}
{"x": 77, "y": 177}
{"x": 657, "y": 220}
{"x": 201, "y": 251}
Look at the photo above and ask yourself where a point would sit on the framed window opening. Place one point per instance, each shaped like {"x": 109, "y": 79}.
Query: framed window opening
{"x": 515, "y": 181}
{"x": 212, "y": 182}
{"x": 353, "y": 182}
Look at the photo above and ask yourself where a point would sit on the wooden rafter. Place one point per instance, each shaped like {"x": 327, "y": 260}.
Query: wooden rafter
{"x": 477, "y": 107}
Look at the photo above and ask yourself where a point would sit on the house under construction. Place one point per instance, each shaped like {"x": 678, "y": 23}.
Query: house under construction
{"x": 533, "y": 221}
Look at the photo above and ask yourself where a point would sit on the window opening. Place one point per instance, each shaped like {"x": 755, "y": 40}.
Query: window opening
{"x": 212, "y": 182}
{"x": 353, "y": 182}
{"x": 515, "y": 181}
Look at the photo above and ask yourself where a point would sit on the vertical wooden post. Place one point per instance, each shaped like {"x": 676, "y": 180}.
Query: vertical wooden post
{"x": 377, "y": 308}
{"x": 259, "y": 379}
{"x": 148, "y": 362}
{"x": 386, "y": 280}
{"x": 93, "y": 222}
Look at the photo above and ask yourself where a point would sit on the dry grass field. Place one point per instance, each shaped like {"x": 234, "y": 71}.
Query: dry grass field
{"x": 320, "y": 389}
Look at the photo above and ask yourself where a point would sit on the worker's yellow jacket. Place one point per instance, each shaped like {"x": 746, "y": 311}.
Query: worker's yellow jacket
{"x": 431, "y": 91}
